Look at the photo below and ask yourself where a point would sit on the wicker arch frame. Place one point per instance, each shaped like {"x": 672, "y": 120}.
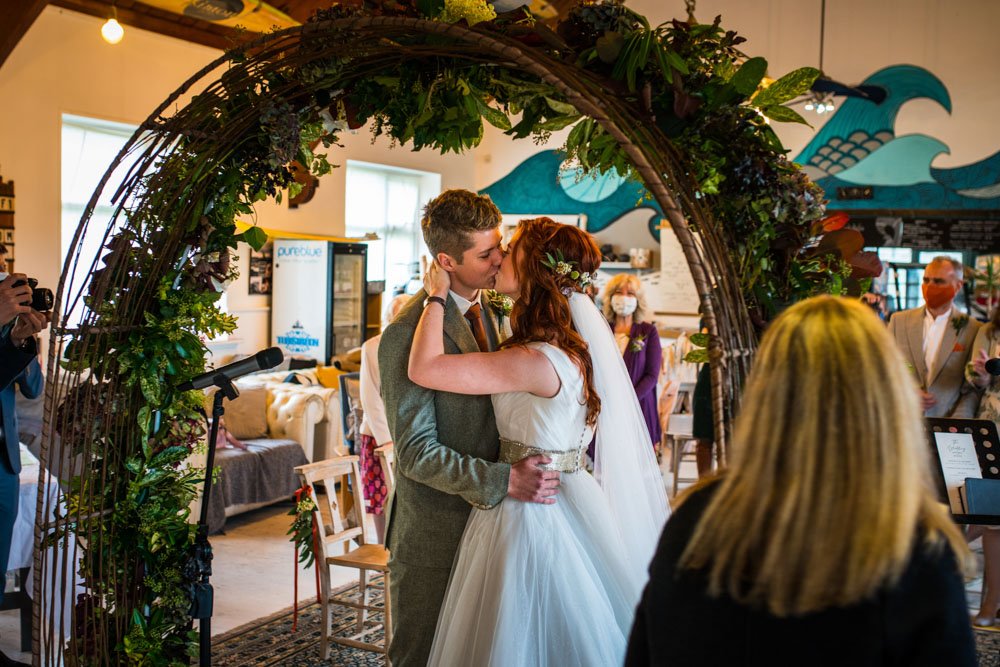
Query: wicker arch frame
{"x": 659, "y": 164}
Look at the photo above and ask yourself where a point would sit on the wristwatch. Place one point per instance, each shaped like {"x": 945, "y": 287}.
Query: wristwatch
{"x": 434, "y": 299}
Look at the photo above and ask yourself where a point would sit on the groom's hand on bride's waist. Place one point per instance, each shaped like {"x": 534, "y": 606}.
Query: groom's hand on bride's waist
{"x": 532, "y": 484}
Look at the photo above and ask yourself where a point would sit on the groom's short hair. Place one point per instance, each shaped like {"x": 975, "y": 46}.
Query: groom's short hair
{"x": 452, "y": 216}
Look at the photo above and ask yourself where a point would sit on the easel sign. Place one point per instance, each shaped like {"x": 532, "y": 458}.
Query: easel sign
{"x": 963, "y": 449}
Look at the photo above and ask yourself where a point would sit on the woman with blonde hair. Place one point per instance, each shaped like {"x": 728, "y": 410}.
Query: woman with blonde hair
{"x": 823, "y": 543}
{"x": 624, "y": 305}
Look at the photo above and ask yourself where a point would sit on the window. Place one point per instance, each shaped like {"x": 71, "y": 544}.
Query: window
{"x": 89, "y": 146}
{"x": 388, "y": 201}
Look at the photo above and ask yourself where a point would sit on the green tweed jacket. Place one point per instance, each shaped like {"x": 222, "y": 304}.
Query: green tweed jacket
{"x": 446, "y": 445}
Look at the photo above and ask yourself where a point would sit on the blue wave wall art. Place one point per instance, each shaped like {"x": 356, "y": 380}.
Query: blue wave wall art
{"x": 858, "y": 146}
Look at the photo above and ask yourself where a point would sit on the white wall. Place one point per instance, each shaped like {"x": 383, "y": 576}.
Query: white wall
{"x": 954, "y": 39}
{"x": 62, "y": 66}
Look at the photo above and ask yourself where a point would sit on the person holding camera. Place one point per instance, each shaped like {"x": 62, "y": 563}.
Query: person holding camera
{"x": 18, "y": 364}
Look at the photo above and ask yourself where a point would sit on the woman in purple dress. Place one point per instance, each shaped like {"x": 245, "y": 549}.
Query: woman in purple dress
{"x": 624, "y": 304}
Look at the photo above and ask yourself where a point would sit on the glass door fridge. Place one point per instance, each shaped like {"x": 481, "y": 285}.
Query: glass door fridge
{"x": 348, "y": 296}
{"x": 318, "y": 299}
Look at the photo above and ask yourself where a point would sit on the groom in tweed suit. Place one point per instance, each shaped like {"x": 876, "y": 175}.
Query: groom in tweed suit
{"x": 446, "y": 444}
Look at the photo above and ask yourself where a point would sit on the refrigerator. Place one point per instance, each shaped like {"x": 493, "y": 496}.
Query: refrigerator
{"x": 318, "y": 297}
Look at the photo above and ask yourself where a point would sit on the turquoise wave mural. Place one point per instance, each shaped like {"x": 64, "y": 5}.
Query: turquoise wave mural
{"x": 539, "y": 186}
{"x": 858, "y": 146}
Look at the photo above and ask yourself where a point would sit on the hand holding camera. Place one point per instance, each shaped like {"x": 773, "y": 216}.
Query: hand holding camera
{"x": 24, "y": 306}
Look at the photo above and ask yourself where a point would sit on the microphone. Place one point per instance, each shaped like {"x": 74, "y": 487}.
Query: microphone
{"x": 261, "y": 361}
{"x": 993, "y": 366}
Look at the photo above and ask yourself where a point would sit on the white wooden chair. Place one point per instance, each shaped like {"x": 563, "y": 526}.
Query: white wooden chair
{"x": 337, "y": 536}
{"x": 678, "y": 435}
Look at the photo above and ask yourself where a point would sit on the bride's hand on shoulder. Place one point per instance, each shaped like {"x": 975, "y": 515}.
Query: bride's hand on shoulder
{"x": 437, "y": 281}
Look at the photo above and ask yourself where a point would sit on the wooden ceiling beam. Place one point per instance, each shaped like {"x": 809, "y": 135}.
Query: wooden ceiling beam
{"x": 18, "y": 15}
{"x": 164, "y": 23}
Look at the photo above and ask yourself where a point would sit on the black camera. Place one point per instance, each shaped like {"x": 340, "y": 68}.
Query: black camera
{"x": 41, "y": 297}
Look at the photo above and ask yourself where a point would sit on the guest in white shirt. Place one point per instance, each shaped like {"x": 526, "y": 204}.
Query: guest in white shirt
{"x": 936, "y": 340}
{"x": 374, "y": 431}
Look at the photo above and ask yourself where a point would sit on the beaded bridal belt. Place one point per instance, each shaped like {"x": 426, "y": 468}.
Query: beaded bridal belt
{"x": 572, "y": 460}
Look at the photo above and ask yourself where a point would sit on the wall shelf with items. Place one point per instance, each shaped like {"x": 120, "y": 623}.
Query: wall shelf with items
{"x": 7, "y": 224}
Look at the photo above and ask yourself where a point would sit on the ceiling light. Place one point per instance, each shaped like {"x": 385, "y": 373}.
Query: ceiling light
{"x": 112, "y": 31}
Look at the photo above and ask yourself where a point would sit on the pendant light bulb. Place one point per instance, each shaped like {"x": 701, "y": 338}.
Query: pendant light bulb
{"x": 112, "y": 31}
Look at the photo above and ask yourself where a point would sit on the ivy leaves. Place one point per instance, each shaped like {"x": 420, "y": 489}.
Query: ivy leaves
{"x": 254, "y": 236}
{"x": 770, "y": 99}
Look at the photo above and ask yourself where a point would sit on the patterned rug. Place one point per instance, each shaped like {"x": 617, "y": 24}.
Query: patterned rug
{"x": 988, "y": 647}
{"x": 270, "y": 642}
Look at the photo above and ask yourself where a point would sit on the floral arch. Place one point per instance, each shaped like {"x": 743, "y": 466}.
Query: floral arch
{"x": 676, "y": 107}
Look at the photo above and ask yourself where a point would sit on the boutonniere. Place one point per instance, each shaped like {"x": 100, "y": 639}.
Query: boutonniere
{"x": 638, "y": 343}
{"x": 500, "y": 304}
{"x": 958, "y": 323}
{"x": 958, "y": 348}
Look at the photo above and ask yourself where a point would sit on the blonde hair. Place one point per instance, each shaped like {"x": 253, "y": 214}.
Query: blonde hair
{"x": 613, "y": 286}
{"x": 829, "y": 485}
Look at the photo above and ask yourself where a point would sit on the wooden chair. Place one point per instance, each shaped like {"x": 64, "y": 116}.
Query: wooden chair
{"x": 677, "y": 436}
{"x": 365, "y": 558}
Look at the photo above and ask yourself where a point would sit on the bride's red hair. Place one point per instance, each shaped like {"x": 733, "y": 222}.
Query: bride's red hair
{"x": 542, "y": 312}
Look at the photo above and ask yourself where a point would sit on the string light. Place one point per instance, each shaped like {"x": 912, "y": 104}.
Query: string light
{"x": 821, "y": 103}
{"x": 112, "y": 31}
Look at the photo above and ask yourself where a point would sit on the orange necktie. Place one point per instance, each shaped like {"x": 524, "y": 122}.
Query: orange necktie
{"x": 478, "y": 330}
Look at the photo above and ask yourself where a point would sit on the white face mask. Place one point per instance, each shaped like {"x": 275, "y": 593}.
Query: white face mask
{"x": 624, "y": 305}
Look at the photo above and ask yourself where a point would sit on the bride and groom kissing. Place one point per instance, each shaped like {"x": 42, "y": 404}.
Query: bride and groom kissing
{"x": 504, "y": 549}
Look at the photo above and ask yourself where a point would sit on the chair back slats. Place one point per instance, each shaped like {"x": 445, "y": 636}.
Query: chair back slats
{"x": 342, "y": 536}
{"x": 331, "y": 512}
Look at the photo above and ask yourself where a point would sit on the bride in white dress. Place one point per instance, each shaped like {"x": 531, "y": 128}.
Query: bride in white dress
{"x": 549, "y": 584}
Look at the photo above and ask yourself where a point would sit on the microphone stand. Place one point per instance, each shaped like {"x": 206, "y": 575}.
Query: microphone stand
{"x": 202, "y": 600}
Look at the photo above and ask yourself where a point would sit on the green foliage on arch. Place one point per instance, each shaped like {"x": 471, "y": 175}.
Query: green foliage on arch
{"x": 209, "y": 163}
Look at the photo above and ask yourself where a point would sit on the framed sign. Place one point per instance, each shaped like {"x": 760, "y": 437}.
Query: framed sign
{"x": 261, "y": 266}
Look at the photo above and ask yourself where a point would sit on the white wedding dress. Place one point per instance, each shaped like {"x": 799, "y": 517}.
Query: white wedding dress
{"x": 542, "y": 585}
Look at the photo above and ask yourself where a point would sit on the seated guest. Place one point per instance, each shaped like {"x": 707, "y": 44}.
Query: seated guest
{"x": 822, "y": 543}
{"x": 624, "y": 305}
{"x": 374, "y": 431}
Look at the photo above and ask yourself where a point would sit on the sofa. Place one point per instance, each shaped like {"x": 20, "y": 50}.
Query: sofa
{"x": 278, "y": 427}
{"x": 329, "y": 436}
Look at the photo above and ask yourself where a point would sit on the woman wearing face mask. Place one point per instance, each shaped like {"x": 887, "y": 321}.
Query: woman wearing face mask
{"x": 624, "y": 305}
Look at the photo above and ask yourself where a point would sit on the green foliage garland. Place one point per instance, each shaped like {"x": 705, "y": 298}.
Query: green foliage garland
{"x": 139, "y": 341}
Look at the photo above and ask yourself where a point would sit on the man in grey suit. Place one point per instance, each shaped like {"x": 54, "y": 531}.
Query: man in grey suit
{"x": 936, "y": 340}
{"x": 446, "y": 444}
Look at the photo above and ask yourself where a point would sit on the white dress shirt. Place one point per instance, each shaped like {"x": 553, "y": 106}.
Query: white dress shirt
{"x": 464, "y": 305}
{"x": 934, "y": 328}
{"x": 374, "y": 421}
